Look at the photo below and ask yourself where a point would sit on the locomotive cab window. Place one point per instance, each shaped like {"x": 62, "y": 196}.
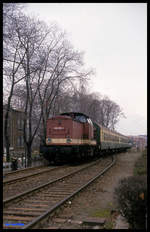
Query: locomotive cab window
{"x": 81, "y": 118}
{"x": 89, "y": 121}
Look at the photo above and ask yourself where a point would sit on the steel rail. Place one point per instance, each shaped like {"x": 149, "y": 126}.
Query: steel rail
{"x": 22, "y": 170}
{"x": 59, "y": 204}
{"x": 10, "y": 199}
{"x": 30, "y": 175}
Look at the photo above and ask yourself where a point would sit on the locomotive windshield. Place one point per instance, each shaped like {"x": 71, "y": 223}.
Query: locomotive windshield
{"x": 77, "y": 116}
{"x": 80, "y": 118}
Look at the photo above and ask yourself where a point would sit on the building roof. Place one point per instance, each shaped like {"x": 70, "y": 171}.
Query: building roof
{"x": 13, "y": 109}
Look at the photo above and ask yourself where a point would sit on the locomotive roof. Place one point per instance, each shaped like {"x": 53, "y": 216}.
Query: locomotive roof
{"x": 75, "y": 113}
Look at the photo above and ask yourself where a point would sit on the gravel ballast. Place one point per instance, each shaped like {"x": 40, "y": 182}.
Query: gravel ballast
{"x": 97, "y": 201}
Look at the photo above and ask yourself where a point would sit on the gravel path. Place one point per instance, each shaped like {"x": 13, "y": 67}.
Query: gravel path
{"x": 98, "y": 201}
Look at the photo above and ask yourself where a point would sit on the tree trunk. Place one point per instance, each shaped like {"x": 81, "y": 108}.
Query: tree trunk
{"x": 6, "y": 133}
{"x": 29, "y": 158}
{"x": 7, "y": 143}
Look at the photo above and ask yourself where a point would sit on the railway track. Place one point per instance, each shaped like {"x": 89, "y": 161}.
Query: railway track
{"x": 33, "y": 207}
{"x": 22, "y": 170}
{"x": 34, "y": 172}
{"x": 21, "y": 184}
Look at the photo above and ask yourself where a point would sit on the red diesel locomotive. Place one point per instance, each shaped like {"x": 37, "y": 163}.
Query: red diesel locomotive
{"x": 73, "y": 135}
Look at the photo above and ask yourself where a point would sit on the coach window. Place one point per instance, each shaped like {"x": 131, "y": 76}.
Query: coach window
{"x": 104, "y": 136}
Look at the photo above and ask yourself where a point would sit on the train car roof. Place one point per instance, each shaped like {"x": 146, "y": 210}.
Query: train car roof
{"x": 113, "y": 131}
{"x": 109, "y": 130}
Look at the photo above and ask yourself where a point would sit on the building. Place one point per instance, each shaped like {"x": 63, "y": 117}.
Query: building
{"x": 15, "y": 130}
{"x": 140, "y": 141}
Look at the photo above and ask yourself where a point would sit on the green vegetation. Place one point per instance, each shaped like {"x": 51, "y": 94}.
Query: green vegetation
{"x": 131, "y": 194}
{"x": 141, "y": 165}
{"x": 109, "y": 225}
{"x": 101, "y": 213}
{"x": 104, "y": 213}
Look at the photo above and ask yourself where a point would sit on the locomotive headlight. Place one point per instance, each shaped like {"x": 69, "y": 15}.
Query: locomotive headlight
{"x": 48, "y": 140}
{"x": 69, "y": 140}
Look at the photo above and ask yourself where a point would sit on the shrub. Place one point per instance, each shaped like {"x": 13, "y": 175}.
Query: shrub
{"x": 131, "y": 195}
{"x": 141, "y": 165}
{"x": 144, "y": 153}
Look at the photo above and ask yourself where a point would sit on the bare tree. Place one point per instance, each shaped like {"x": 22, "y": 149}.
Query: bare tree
{"x": 49, "y": 62}
{"x": 109, "y": 113}
{"x": 65, "y": 67}
{"x": 39, "y": 62}
{"x": 10, "y": 12}
{"x": 22, "y": 59}
{"x": 100, "y": 109}
{"x": 32, "y": 35}
{"x": 11, "y": 64}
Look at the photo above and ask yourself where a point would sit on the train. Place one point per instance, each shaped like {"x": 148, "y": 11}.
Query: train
{"x": 74, "y": 136}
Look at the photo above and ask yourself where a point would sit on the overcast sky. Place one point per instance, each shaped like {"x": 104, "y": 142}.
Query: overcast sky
{"x": 114, "y": 39}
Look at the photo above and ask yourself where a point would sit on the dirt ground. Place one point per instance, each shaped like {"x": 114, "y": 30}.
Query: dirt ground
{"x": 98, "y": 200}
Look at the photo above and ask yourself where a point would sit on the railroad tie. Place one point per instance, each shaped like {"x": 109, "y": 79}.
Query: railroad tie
{"x": 17, "y": 218}
{"x": 21, "y": 213}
